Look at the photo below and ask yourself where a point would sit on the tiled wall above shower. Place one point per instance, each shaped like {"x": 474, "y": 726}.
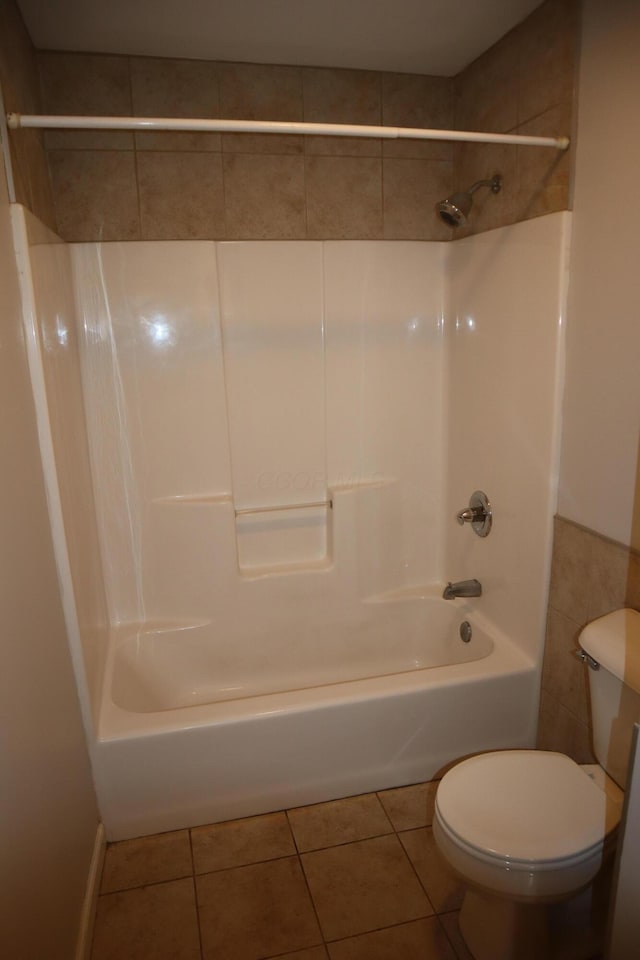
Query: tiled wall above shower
{"x": 125, "y": 186}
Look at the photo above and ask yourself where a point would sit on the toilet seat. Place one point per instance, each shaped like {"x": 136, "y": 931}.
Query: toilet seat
{"x": 525, "y": 822}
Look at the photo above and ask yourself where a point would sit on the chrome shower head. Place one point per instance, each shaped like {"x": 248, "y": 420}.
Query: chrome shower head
{"x": 456, "y": 208}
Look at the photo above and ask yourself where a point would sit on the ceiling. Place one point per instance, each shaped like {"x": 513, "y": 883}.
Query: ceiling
{"x": 438, "y": 37}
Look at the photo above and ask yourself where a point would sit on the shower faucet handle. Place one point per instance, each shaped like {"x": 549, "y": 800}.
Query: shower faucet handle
{"x": 478, "y": 514}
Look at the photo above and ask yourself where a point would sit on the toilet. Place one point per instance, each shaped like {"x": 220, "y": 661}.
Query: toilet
{"x": 528, "y": 831}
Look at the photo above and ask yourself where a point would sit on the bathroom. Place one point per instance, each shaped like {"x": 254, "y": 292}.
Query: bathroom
{"x": 582, "y": 470}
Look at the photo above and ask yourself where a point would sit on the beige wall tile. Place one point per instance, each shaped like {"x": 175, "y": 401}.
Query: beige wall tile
{"x": 570, "y": 585}
{"x": 35, "y": 162}
{"x": 250, "y": 91}
{"x": 411, "y": 190}
{"x": 410, "y": 807}
{"x": 344, "y": 198}
{"x": 342, "y": 96}
{"x": 271, "y": 143}
{"x": 175, "y": 88}
{"x": 608, "y": 575}
{"x": 486, "y": 94}
{"x": 238, "y": 842}
{"x": 564, "y": 677}
{"x": 158, "y": 922}
{"x": 95, "y": 194}
{"x": 257, "y": 911}
{"x": 153, "y": 859}
{"x": 363, "y": 886}
{"x": 414, "y": 101}
{"x": 264, "y": 197}
{"x": 86, "y": 84}
{"x": 632, "y": 597}
{"x": 544, "y": 173}
{"x": 181, "y": 196}
{"x": 561, "y": 731}
{"x": 475, "y": 162}
{"x": 547, "y": 45}
{"x": 21, "y": 93}
{"x": 339, "y": 821}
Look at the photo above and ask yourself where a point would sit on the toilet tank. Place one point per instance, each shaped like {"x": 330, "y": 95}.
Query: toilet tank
{"x": 614, "y": 642}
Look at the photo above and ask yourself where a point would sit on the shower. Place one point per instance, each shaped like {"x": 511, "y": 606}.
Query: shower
{"x": 456, "y": 208}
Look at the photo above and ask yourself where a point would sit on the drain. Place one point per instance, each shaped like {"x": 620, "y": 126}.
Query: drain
{"x": 465, "y": 631}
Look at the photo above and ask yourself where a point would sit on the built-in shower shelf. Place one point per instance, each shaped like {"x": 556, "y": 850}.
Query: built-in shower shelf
{"x": 362, "y": 485}
{"x": 286, "y": 569}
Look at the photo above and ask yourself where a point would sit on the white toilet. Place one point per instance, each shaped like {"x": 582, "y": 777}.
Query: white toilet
{"x": 526, "y": 829}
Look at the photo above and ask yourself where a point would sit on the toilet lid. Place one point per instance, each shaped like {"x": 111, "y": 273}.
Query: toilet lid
{"x": 525, "y": 805}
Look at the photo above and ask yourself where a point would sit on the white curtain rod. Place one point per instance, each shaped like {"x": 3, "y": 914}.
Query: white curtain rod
{"x": 17, "y": 121}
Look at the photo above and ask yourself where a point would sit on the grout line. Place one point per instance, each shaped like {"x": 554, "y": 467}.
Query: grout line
{"x": 195, "y": 894}
{"x": 139, "y": 886}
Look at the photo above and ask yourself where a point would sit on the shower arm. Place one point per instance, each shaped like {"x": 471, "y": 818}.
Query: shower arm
{"x": 494, "y": 183}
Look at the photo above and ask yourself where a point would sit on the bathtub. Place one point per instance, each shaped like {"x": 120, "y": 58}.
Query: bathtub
{"x": 387, "y": 697}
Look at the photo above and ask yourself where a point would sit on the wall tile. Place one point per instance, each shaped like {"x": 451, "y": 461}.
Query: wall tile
{"x": 608, "y": 576}
{"x": 544, "y": 173}
{"x": 260, "y": 92}
{"x": 564, "y": 677}
{"x": 250, "y": 91}
{"x": 95, "y": 194}
{"x": 342, "y": 96}
{"x": 344, "y": 198}
{"x": 561, "y": 731}
{"x": 486, "y": 97}
{"x": 411, "y": 190}
{"x": 570, "y": 565}
{"x": 547, "y": 44}
{"x": 264, "y": 197}
{"x": 414, "y": 101}
{"x": 475, "y": 162}
{"x": 175, "y": 88}
{"x": 181, "y": 196}
{"x": 632, "y": 597}
{"x": 85, "y": 84}
{"x": 271, "y": 143}
{"x": 21, "y": 93}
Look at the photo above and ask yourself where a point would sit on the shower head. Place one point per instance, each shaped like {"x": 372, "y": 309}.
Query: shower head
{"x": 456, "y": 208}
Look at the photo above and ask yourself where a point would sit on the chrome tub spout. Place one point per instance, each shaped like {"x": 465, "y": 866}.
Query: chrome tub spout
{"x": 463, "y": 588}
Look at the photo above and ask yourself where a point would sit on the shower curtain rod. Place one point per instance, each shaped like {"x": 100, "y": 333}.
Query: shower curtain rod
{"x": 17, "y": 121}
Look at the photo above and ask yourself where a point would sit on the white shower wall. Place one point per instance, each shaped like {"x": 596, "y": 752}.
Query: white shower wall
{"x": 261, "y": 376}
{"x": 390, "y": 378}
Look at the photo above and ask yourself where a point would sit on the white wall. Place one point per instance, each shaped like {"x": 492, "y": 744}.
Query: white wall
{"x": 601, "y": 419}
{"x": 49, "y": 815}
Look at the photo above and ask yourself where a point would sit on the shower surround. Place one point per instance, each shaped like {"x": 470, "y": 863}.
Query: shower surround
{"x": 255, "y": 452}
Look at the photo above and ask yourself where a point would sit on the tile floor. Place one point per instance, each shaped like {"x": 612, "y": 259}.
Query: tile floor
{"x": 353, "y": 879}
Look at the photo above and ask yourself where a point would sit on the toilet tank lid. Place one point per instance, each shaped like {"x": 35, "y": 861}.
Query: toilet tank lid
{"x": 614, "y": 641}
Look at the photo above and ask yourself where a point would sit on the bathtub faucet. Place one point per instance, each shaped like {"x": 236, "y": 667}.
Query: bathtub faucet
{"x": 463, "y": 588}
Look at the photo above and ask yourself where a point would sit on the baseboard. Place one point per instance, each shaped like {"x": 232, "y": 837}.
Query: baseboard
{"x": 90, "y": 902}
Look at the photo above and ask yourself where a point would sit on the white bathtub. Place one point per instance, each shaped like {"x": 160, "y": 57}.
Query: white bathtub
{"x": 386, "y": 698}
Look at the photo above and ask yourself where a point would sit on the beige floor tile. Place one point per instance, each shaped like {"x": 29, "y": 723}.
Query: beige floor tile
{"x": 410, "y": 807}
{"x": 443, "y": 888}
{"x": 150, "y": 923}
{"x": 134, "y": 863}
{"x": 363, "y": 886}
{"x": 236, "y": 843}
{"x": 339, "y": 821}
{"x": 421, "y": 940}
{"x": 261, "y": 910}
{"x": 450, "y": 923}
